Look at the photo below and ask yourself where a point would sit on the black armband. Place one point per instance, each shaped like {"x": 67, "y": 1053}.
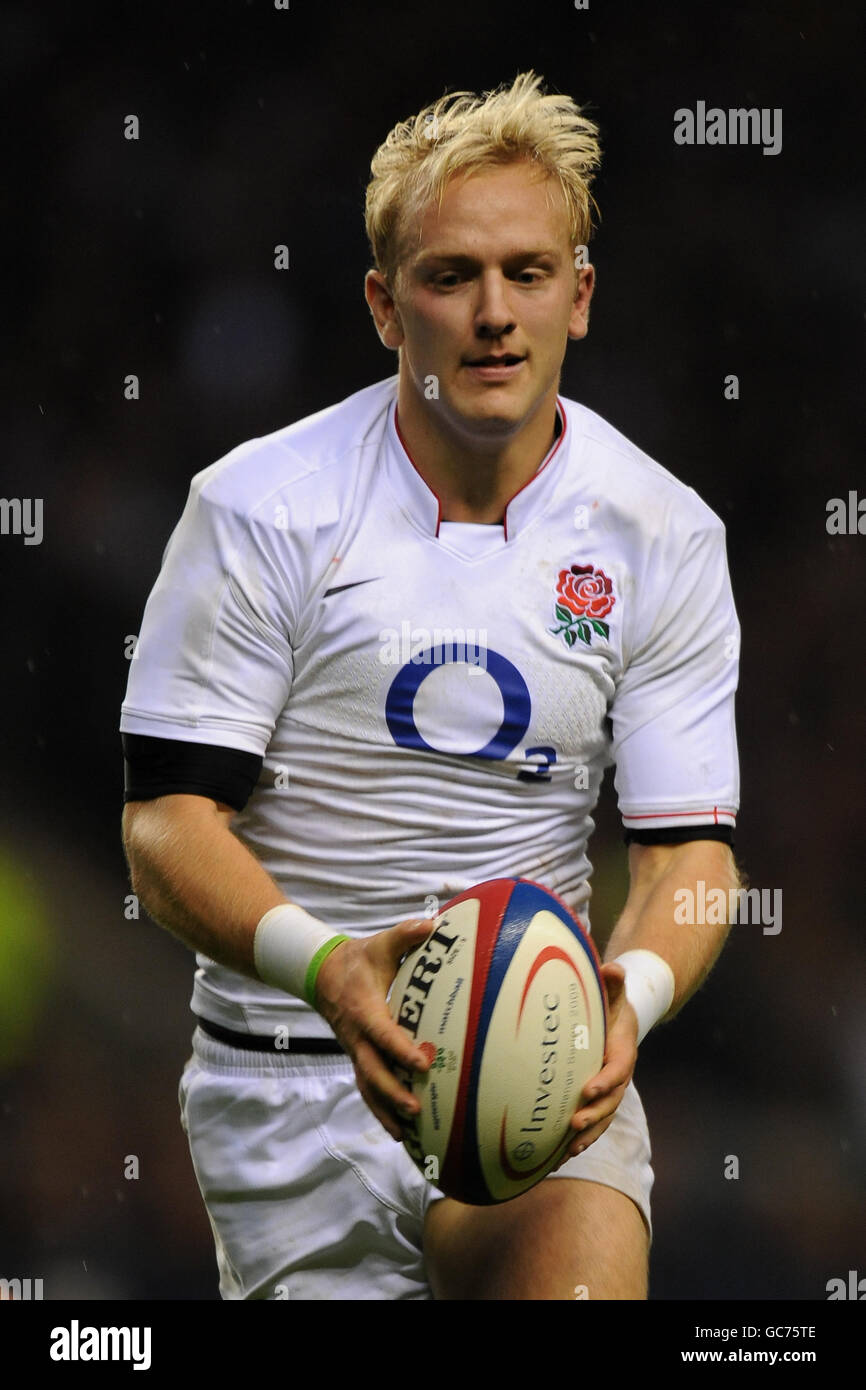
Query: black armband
{"x": 166, "y": 766}
{"x": 680, "y": 834}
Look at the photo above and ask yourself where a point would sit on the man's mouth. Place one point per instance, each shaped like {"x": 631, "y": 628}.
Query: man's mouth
{"x": 495, "y": 367}
{"x": 495, "y": 359}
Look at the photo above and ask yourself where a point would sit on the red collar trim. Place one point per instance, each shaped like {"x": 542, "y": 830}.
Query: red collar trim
{"x": 561, "y": 413}
{"x": 414, "y": 465}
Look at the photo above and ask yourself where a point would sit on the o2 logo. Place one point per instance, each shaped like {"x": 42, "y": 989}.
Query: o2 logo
{"x": 516, "y": 707}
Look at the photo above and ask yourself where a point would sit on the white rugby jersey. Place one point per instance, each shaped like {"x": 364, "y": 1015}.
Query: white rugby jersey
{"x": 436, "y": 702}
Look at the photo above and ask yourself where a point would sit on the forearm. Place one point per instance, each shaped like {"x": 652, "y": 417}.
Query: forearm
{"x": 195, "y": 878}
{"x": 650, "y": 919}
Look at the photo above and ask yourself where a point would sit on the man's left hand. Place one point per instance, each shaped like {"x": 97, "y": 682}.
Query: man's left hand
{"x": 604, "y": 1091}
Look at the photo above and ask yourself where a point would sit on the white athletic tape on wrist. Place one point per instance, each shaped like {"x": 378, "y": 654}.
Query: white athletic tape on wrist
{"x": 649, "y": 987}
{"x": 289, "y": 948}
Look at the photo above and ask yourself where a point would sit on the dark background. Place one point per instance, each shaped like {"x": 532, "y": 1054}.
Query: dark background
{"x": 156, "y": 257}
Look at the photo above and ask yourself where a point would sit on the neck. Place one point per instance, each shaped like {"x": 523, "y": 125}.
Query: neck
{"x": 473, "y": 477}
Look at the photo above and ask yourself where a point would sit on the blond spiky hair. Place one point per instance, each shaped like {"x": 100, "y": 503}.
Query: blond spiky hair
{"x": 462, "y": 132}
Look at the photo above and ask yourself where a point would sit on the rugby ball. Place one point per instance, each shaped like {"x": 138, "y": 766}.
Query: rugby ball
{"x": 506, "y": 998}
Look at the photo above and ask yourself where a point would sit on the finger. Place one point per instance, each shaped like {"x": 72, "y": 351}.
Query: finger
{"x": 382, "y": 1086}
{"x": 415, "y": 923}
{"x": 392, "y": 1041}
{"x": 616, "y": 1072}
{"x": 613, "y": 974}
{"x": 618, "y": 1069}
{"x": 386, "y": 1120}
{"x": 385, "y": 1117}
{"x": 387, "y": 948}
{"x": 601, "y": 1112}
{"x": 604, "y": 1105}
{"x": 582, "y": 1141}
{"x": 614, "y": 984}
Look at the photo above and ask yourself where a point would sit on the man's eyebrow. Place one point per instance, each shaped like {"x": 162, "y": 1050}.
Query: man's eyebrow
{"x": 461, "y": 260}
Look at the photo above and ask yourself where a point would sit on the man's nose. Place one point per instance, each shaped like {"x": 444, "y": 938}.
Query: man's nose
{"x": 493, "y": 315}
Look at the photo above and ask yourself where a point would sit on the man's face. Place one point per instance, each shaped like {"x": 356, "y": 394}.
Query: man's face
{"x": 485, "y": 300}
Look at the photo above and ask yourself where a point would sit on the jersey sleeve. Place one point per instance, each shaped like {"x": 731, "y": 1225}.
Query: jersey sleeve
{"x": 213, "y": 663}
{"x": 674, "y": 736}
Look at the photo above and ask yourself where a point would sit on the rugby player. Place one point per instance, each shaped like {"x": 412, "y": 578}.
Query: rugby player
{"x": 391, "y": 650}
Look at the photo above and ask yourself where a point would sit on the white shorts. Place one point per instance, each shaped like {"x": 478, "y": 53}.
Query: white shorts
{"x": 310, "y": 1198}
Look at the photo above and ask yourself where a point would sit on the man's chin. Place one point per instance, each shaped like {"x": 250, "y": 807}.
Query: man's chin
{"x": 489, "y": 417}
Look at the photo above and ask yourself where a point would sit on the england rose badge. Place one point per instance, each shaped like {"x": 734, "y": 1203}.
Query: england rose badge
{"x": 584, "y": 598}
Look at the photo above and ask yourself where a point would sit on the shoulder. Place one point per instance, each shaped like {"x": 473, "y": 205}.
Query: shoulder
{"x": 300, "y": 463}
{"x": 639, "y": 489}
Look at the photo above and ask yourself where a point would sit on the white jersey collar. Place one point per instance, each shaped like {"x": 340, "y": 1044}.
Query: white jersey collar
{"x": 423, "y": 506}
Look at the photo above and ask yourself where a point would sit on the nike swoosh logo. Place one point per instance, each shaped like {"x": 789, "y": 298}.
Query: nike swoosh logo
{"x": 339, "y": 588}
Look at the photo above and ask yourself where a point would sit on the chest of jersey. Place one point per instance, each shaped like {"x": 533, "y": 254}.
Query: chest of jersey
{"x": 462, "y": 644}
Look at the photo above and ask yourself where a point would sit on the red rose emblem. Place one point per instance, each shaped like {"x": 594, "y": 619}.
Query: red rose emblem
{"x": 586, "y": 591}
{"x": 584, "y": 596}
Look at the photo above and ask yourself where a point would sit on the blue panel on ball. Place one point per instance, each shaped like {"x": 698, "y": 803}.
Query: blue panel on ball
{"x": 532, "y": 898}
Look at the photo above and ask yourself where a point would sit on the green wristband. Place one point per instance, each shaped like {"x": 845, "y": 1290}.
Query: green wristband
{"x": 315, "y": 966}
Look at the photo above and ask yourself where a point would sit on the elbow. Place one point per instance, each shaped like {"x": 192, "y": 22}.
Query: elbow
{"x": 133, "y": 846}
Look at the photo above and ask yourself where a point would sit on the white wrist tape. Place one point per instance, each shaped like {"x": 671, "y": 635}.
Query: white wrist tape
{"x": 290, "y": 946}
{"x": 649, "y": 987}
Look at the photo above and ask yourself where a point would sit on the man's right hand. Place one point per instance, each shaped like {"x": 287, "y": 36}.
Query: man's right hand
{"x": 351, "y": 989}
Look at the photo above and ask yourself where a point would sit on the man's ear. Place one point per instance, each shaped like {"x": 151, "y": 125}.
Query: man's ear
{"x": 384, "y": 309}
{"x": 578, "y": 323}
